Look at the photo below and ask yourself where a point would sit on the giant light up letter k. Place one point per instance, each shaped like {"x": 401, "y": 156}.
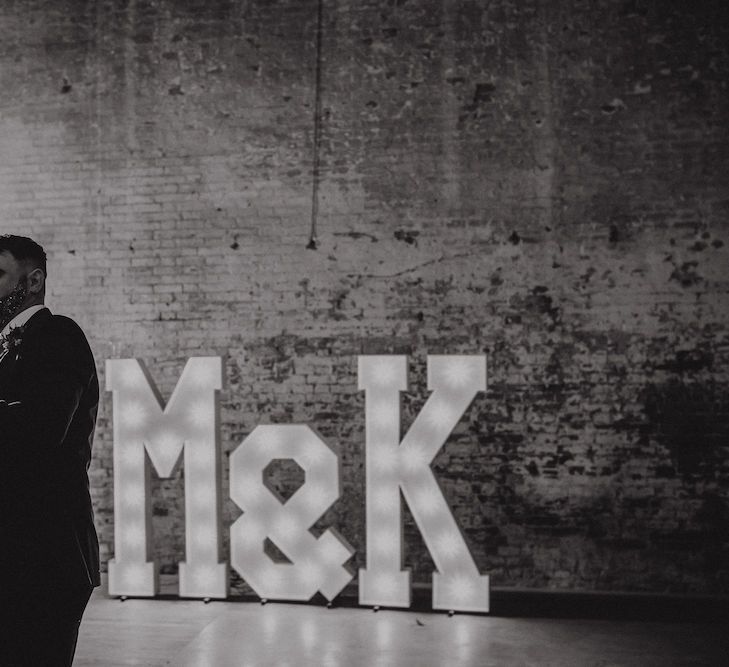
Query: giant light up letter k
{"x": 189, "y": 423}
{"x": 392, "y": 466}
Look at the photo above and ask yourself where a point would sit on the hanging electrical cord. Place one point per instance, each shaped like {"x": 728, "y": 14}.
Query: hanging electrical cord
{"x": 313, "y": 240}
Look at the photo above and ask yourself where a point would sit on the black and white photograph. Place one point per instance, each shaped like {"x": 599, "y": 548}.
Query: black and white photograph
{"x": 364, "y": 333}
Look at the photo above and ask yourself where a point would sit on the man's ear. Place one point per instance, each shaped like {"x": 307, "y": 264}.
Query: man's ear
{"x": 36, "y": 281}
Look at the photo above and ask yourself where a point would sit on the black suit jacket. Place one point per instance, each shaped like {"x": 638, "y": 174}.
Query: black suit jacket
{"x": 47, "y": 534}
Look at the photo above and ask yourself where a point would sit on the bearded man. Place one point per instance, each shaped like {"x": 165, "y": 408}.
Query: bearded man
{"x": 49, "y": 394}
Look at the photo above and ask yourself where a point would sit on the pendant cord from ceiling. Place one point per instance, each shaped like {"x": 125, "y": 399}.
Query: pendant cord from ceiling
{"x": 313, "y": 240}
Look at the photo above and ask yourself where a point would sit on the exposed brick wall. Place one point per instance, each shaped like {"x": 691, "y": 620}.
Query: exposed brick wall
{"x": 543, "y": 182}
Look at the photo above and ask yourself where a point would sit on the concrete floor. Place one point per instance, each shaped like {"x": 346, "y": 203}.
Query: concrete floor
{"x": 244, "y": 634}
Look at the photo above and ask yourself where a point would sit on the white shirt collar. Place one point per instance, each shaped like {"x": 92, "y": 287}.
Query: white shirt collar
{"x": 21, "y": 318}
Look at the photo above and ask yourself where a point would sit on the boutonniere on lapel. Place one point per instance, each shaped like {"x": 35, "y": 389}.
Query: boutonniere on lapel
{"x": 10, "y": 342}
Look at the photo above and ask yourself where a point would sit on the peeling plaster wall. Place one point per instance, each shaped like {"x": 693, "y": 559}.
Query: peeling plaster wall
{"x": 543, "y": 182}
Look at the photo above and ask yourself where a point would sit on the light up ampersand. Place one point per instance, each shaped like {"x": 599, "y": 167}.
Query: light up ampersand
{"x": 316, "y": 564}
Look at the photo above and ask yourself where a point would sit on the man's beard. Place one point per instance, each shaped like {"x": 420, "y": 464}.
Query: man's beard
{"x": 10, "y": 305}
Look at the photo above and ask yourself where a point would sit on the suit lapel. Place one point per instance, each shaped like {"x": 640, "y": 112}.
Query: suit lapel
{"x": 9, "y": 359}
{"x": 7, "y": 362}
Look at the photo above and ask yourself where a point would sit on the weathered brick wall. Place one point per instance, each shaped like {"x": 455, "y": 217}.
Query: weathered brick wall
{"x": 544, "y": 182}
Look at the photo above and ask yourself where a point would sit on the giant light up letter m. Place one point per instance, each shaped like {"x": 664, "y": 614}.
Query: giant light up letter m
{"x": 143, "y": 427}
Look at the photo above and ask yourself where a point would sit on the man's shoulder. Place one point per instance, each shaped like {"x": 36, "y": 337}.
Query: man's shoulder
{"x": 65, "y": 323}
{"x": 58, "y": 339}
{"x": 57, "y": 327}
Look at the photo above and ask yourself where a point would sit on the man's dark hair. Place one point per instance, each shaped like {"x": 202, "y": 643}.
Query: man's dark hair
{"x": 24, "y": 249}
